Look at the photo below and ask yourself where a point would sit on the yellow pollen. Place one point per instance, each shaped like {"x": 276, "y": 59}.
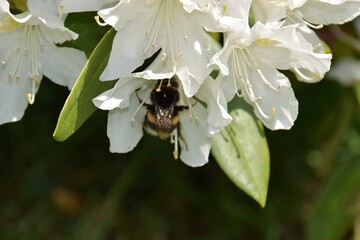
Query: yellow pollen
{"x": 8, "y": 24}
{"x": 265, "y": 42}
{"x": 176, "y": 154}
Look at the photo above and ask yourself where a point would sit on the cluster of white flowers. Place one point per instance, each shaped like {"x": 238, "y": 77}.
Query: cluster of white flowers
{"x": 28, "y": 51}
{"x": 261, "y": 38}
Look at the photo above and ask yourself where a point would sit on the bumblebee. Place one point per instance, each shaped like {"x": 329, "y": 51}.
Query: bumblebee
{"x": 162, "y": 117}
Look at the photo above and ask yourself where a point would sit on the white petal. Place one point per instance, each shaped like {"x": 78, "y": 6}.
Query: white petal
{"x": 189, "y": 84}
{"x": 142, "y": 32}
{"x": 124, "y": 134}
{"x": 69, "y": 6}
{"x": 13, "y": 92}
{"x": 126, "y": 11}
{"x": 285, "y": 49}
{"x": 13, "y": 99}
{"x": 127, "y": 51}
{"x": 54, "y": 30}
{"x": 119, "y": 96}
{"x": 195, "y": 147}
{"x": 268, "y": 12}
{"x": 45, "y": 6}
{"x": 278, "y": 108}
{"x": 330, "y": 12}
{"x": 150, "y": 75}
{"x": 62, "y": 65}
{"x": 5, "y": 14}
{"x": 217, "y": 117}
{"x": 220, "y": 59}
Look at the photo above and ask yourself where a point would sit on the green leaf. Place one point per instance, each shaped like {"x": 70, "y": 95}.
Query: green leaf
{"x": 242, "y": 152}
{"x": 78, "y": 106}
{"x": 333, "y": 216}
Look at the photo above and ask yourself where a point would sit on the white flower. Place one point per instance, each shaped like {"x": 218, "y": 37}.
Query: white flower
{"x": 130, "y": 103}
{"x": 146, "y": 26}
{"x": 249, "y": 62}
{"x": 306, "y": 15}
{"x": 310, "y": 12}
{"x": 28, "y": 51}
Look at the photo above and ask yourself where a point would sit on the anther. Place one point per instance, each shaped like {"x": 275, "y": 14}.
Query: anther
{"x": 264, "y": 115}
{"x": 158, "y": 89}
{"x": 163, "y": 56}
{"x": 176, "y": 143}
{"x": 239, "y": 93}
{"x": 307, "y": 78}
{"x": 97, "y": 19}
{"x": 31, "y": 98}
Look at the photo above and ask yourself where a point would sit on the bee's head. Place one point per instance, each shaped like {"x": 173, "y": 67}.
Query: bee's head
{"x": 165, "y": 95}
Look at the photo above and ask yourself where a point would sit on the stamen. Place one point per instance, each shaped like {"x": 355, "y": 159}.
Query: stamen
{"x": 296, "y": 18}
{"x": 61, "y": 10}
{"x": 31, "y": 96}
{"x": 318, "y": 26}
{"x": 167, "y": 23}
{"x": 266, "y": 82}
{"x": 174, "y": 63}
{"x": 315, "y": 76}
{"x": 163, "y": 56}
{"x": 191, "y": 110}
{"x": 97, "y": 19}
{"x": 169, "y": 82}
{"x": 139, "y": 107}
{"x": 264, "y": 115}
{"x": 239, "y": 94}
{"x": 176, "y": 143}
{"x": 158, "y": 89}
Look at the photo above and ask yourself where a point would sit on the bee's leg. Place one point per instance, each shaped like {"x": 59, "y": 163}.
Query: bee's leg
{"x": 142, "y": 102}
{"x": 176, "y": 136}
{"x": 150, "y": 107}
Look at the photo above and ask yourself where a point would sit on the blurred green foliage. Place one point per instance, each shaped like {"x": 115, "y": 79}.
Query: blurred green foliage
{"x": 78, "y": 190}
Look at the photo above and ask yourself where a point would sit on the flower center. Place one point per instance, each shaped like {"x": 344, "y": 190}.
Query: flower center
{"x": 166, "y": 31}
{"x": 242, "y": 61}
{"x": 28, "y": 49}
